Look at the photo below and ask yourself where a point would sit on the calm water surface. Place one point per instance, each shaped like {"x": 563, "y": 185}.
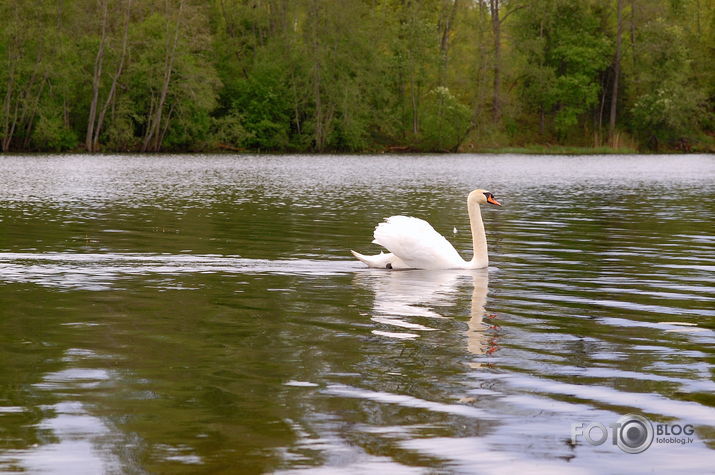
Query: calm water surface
{"x": 202, "y": 314}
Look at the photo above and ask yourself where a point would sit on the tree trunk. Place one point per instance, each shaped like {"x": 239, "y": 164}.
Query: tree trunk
{"x": 414, "y": 100}
{"x": 444, "y": 42}
{"x": 480, "y": 80}
{"x": 616, "y": 74}
{"x": 318, "y": 115}
{"x": 8, "y": 125}
{"x": 633, "y": 34}
{"x": 604, "y": 83}
{"x": 152, "y": 140}
{"x": 411, "y": 67}
{"x": 113, "y": 89}
{"x": 96, "y": 80}
{"x": 496, "y": 31}
{"x": 13, "y": 57}
{"x": 29, "y": 110}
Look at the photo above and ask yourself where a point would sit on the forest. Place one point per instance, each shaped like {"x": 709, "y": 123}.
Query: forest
{"x": 304, "y": 76}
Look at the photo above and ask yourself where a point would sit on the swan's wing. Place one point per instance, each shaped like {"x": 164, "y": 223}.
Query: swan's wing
{"x": 417, "y": 243}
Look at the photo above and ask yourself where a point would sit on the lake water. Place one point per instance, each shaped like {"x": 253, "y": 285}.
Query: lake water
{"x": 203, "y": 314}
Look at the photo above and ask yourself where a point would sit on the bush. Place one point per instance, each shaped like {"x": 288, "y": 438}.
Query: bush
{"x": 262, "y": 104}
{"x": 51, "y": 134}
{"x": 445, "y": 121}
{"x": 229, "y": 130}
{"x": 668, "y": 115}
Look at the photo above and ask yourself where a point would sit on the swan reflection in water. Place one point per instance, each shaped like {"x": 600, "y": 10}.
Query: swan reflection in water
{"x": 409, "y": 303}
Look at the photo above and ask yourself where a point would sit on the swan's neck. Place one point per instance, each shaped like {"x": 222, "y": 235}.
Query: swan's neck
{"x": 480, "y": 259}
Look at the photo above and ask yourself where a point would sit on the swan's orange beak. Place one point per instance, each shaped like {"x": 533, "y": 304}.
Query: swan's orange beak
{"x": 492, "y": 200}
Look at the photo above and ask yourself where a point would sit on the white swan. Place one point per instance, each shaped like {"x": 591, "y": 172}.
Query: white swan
{"x": 414, "y": 244}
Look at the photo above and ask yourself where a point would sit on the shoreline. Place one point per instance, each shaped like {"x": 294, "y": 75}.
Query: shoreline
{"x": 593, "y": 151}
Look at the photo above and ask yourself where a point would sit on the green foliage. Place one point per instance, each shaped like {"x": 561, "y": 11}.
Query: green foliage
{"x": 50, "y": 133}
{"x": 228, "y": 131}
{"x": 262, "y": 104}
{"x": 170, "y": 64}
{"x": 445, "y": 121}
{"x": 120, "y": 134}
{"x": 669, "y": 105}
{"x": 564, "y": 55}
{"x": 317, "y": 75}
{"x": 668, "y": 114}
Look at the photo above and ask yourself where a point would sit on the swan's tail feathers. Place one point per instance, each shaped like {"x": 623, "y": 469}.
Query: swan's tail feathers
{"x": 381, "y": 260}
{"x": 360, "y": 257}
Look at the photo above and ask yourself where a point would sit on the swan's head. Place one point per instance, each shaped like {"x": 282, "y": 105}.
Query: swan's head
{"x": 482, "y": 197}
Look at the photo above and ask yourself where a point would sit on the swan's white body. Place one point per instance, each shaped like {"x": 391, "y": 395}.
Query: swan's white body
{"x": 414, "y": 244}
